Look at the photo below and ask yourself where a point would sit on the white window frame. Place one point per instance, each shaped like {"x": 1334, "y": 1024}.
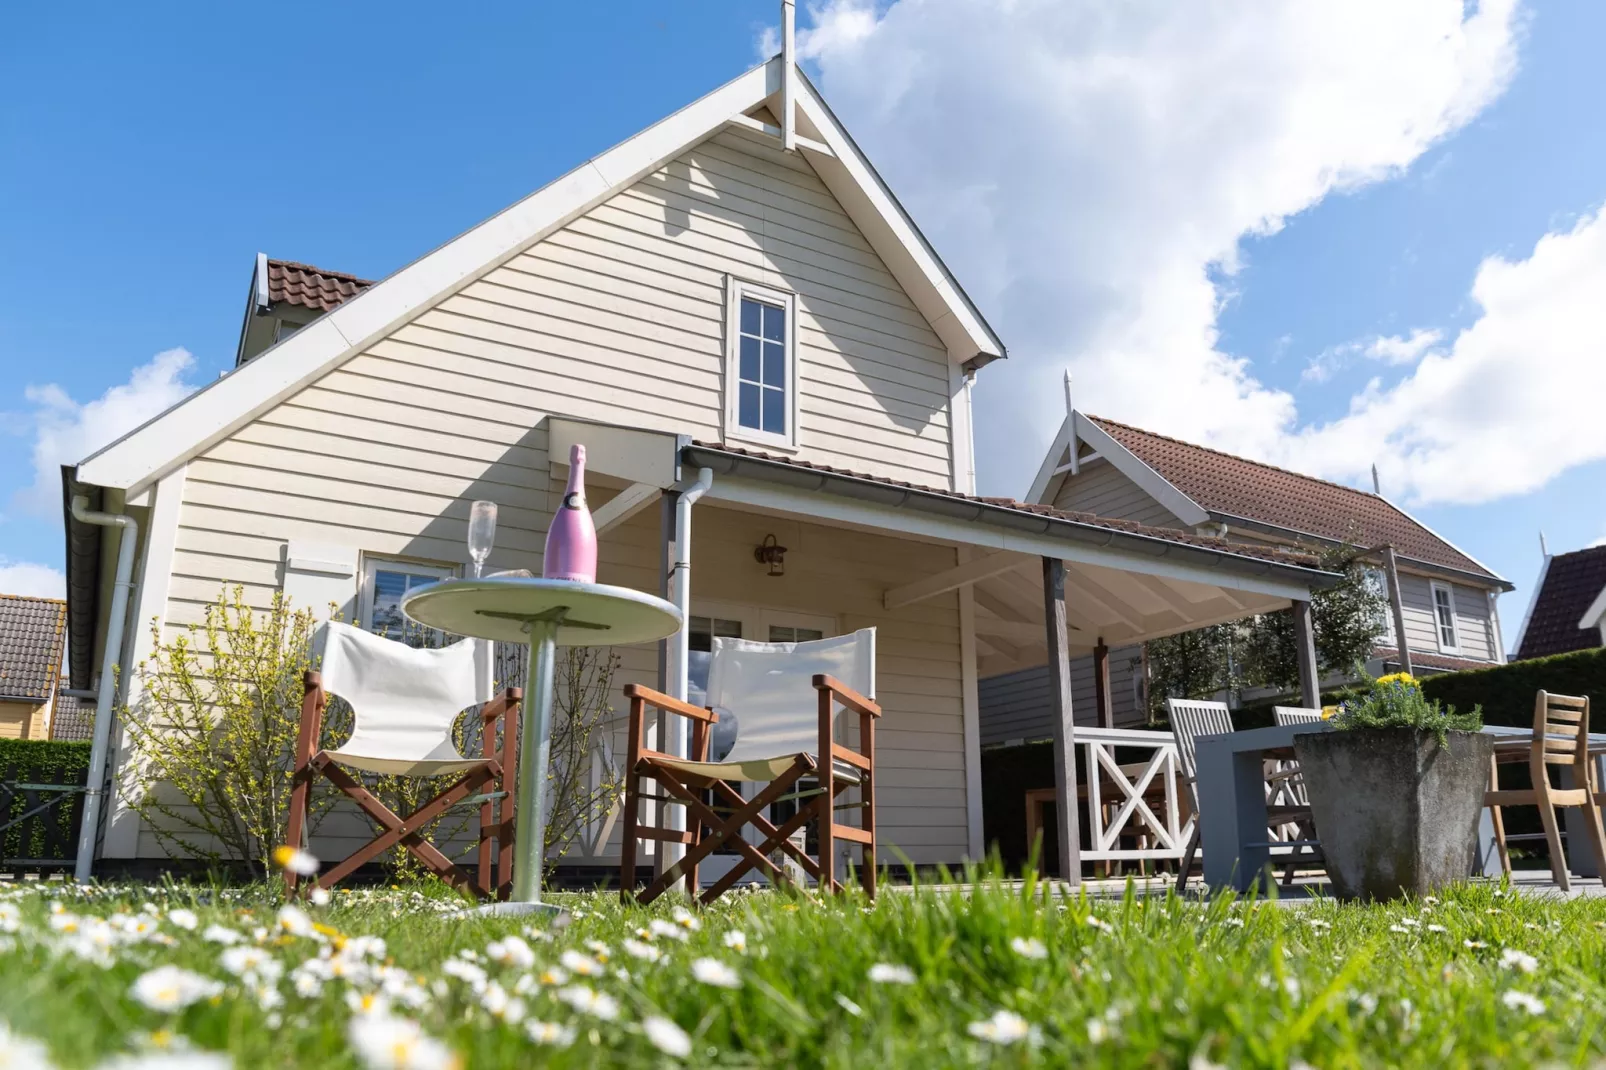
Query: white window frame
{"x": 1454, "y": 646}
{"x": 373, "y": 563}
{"x": 735, "y": 291}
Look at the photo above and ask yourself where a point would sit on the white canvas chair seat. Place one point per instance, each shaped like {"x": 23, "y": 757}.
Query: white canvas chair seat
{"x": 756, "y": 771}
{"x": 404, "y": 705}
{"x": 404, "y": 701}
{"x": 783, "y": 700}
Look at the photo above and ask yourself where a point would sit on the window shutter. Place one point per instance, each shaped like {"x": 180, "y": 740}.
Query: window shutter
{"x": 317, "y": 574}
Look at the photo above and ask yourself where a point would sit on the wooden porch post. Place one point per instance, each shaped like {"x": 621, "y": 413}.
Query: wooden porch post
{"x": 1101, "y": 685}
{"x": 1059, "y": 674}
{"x": 1310, "y": 689}
{"x": 1391, "y": 569}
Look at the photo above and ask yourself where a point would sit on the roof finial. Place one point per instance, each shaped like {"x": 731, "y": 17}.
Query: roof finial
{"x": 1070, "y": 406}
{"x": 788, "y": 74}
{"x": 1377, "y": 488}
{"x": 1544, "y": 551}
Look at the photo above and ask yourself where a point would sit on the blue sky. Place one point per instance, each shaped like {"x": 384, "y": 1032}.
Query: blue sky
{"x": 147, "y": 155}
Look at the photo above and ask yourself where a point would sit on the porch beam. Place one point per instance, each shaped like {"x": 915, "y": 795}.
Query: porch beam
{"x": 1102, "y": 596}
{"x": 624, "y": 505}
{"x": 950, "y": 579}
{"x": 1004, "y": 609}
{"x": 1305, "y": 645}
{"x": 1102, "y": 699}
{"x": 1391, "y": 569}
{"x": 1059, "y": 672}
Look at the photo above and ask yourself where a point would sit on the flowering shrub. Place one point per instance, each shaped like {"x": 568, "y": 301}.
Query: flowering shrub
{"x": 1397, "y": 701}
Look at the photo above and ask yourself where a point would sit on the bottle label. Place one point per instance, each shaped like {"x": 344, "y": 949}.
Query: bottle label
{"x": 574, "y": 499}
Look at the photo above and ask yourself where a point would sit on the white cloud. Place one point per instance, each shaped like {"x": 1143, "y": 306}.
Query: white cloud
{"x": 1089, "y": 170}
{"x": 1388, "y": 348}
{"x": 27, "y": 578}
{"x": 65, "y": 431}
{"x": 1514, "y": 401}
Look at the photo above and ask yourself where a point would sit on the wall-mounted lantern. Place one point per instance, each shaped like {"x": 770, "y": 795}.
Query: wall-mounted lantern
{"x": 771, "y": 553}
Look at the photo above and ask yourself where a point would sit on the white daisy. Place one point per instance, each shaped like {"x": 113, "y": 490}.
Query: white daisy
{"x": 886, "y": 973}
{"x": 639, "y": 950}
{"x": 716, "y": 973}
{"x": 736, "y": 940}
{"x": 22, "y": 1053}
{"x": 1004, "y": 1027}
{"x": 384, "y": 1042}
{"x": 1028, "y": 948}
{"x": 1512, "y": 959}
{"x": 184, "y": 919}
{"x": 1523, "y": 1001}
{"x": 659, "y": 927}
{"x": 589, "y": 1001}
{"x": 294, "y": 860}
{"x": 551, "y": 1034}
{"x": 172, "y": 988}
{"x": 686, "y": 919}
{"x": 582, "y": 965}
{"x": 511, "y": 951}
{"x": 666, "y": 1036}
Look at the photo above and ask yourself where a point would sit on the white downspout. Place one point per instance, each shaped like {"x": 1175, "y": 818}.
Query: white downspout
{"x": 83, "y": 867}
{"x": 676, "y": 670}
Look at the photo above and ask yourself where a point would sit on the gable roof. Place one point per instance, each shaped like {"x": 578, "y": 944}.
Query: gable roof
{"x": 1569, "y": 585}
{"x": 291, "y": 283}
{"x": 1229, "y": 487}
{"x": 32, "y": 631}
{"x": 141, "y": 457}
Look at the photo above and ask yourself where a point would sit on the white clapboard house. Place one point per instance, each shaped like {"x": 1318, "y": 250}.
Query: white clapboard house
{"x": 621, "y": 306}
{"x": 1446, "y": 598}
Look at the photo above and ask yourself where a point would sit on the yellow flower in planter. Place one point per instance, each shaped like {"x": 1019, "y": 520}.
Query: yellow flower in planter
{"x": 1328, "y": 712}
{"x": 1397, "y": 678}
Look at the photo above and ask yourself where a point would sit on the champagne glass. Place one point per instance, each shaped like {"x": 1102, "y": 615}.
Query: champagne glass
{"x": 481, "y": 533}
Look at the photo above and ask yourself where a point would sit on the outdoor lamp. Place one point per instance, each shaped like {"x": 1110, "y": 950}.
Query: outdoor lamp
{"x": 771, "y": 553}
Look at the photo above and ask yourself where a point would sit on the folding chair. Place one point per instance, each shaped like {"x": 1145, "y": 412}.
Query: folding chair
{"x": 1285, "y": 798}
{"x": 404, "y": 703}
{"x": 1286, "y": 715}
{"x": 784, "y": 699}
{"x": 1560, "y": 737}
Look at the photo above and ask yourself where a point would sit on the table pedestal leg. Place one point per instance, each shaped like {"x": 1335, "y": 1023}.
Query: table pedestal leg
{"x": 535, "y": 746}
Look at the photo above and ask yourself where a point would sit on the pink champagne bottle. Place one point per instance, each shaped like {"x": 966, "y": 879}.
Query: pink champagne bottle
{"x": 571, "y": 541}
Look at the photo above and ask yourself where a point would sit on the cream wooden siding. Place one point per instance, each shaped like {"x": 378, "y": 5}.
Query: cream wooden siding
{"x": 1474, "y": 629}
{"x": 20, "y": 720}
{"x": 1016, "y": 706}
{"x": 1101, "y": 489}
{"x": 619, "y": 318}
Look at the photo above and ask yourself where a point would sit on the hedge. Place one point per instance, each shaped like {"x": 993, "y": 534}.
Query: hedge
{"x": 1506, "y": 692}
{"x": 40, "y": 761}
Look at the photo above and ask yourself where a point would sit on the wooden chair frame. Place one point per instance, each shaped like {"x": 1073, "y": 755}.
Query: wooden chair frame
{"x": 707, "y": 829}
{"x": 1560, "y": 737}
{"x": 494, "y": 777}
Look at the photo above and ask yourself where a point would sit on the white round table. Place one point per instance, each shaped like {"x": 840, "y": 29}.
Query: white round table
{"x": 545, "y": 614}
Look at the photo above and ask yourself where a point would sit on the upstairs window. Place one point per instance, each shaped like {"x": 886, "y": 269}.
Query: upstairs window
{"x": 761, "y": 366}
{"x": 1377, "y": 582}
{"x": 1444, "y": 618}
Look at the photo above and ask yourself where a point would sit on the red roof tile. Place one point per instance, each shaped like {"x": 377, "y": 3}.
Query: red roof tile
{"x": 1235, "y": 486}
{"x": 1184, "y": 538}
{"x": 32, "y": 633}
{"x": 1572, "y": 583}
{"x": 1420, "y": 660}
{"x": 301, "y": 284}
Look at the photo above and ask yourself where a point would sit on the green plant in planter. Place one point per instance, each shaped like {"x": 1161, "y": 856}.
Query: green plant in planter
{"x": 1397, "y": 701}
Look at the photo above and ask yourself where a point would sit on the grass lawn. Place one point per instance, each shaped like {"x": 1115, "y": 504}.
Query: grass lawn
{"x": 925, "y": 978}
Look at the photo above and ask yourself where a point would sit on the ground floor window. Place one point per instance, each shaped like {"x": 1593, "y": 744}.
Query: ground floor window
{"x": 385, "y": 581}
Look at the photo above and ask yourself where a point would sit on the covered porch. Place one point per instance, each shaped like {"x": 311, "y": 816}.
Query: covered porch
{"x": 958, "y": 587}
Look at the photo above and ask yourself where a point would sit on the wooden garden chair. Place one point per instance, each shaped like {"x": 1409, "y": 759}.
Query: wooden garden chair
{"x": 784, "y": 698}
{"x": 1560, "y": 737}
{"x": 404, "y": 703}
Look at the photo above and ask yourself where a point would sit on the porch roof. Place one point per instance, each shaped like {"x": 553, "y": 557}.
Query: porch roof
{"x": 1126, "y": 582}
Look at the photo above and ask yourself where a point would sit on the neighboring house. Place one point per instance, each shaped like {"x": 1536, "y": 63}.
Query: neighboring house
{"x": 32, "y": 631}
{"x": 1568, "y": 608}
{"x": 702, "y": 307}
{"x": 1110, "y": 469}
{"x": 72, "y": 716}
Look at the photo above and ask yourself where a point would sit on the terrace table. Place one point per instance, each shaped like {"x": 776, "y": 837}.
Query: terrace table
{"x": 545, "y": 614}
{"x": 1232, "y": 801}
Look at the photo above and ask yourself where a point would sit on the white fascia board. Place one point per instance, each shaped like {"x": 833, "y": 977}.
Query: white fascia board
{"x": 893, "y": 235}
{"x": 1442, "y": 539}
{"x": 1152, "y": 483}
{"x": 1533, "y": 600}
{"x": 1063, "y": 441}
{"x": 211, "y": 414}
{"x": 834, "y": 508}
{"x": 1595, "y": 615}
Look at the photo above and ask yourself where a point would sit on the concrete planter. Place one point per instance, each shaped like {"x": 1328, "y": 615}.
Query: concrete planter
{"x": 1396, "y": 812}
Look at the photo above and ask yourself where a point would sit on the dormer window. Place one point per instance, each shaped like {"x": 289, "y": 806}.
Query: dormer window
{"x": 761, "y": 365}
